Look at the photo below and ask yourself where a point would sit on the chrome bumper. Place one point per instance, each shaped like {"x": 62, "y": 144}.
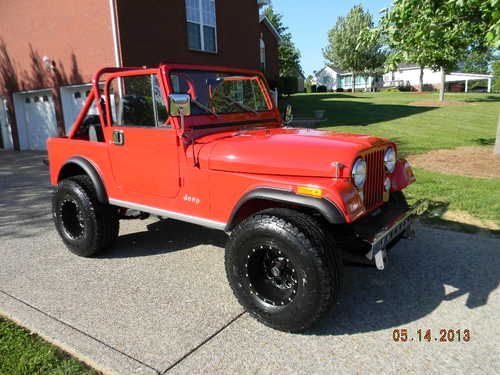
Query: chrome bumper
{"x": 400, "y": 225}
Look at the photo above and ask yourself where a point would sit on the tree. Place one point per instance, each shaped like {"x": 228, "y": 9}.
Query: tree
{"x": 288, "y": 54}
{"x": 349, "y": 50}
{"x": 439, "y": 33}
{"x": 477, "y": 61}
{"x": 496, "y": 73}
{"x": 309, "y": 83}
{"x": 495, "y": 67}
{"x": 497, "y": 143}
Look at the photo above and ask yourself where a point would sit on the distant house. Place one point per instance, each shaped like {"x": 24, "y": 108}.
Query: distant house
{"x": 334, "y": 78}
{"x": 407, "y": 75}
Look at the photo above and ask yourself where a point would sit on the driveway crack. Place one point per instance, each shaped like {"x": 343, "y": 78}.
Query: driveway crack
{"x": 209, "y": 338}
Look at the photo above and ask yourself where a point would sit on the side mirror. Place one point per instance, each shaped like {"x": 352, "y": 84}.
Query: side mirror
{"x": 288, "y": 114}
{"x": 179, "y": 105}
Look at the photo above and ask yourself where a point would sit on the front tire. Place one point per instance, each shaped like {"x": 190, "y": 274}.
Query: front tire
{"x": 85, "y": 225}
{"x": 284, "y": 273}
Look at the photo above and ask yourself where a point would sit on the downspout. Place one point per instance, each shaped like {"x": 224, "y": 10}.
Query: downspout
{"x": 116, "y": 42}
{"x": 116, "y": 33}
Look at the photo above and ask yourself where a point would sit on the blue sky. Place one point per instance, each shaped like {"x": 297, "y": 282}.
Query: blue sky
{"x": 310, "y": 21}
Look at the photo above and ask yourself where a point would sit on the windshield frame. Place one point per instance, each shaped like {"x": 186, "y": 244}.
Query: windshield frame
{"x": 259, "y": 78}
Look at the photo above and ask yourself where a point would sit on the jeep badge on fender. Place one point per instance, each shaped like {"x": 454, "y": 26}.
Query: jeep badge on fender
{"x": 209, "y": 146}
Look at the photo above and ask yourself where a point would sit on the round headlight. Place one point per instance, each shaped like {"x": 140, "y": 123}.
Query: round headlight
{"x": 390, "y": 159}
{"x": 359, "y": 172}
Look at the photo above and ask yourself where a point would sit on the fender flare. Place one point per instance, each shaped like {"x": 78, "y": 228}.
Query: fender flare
{"x": 91, "y": 171}
{"x": 323, "y": 205}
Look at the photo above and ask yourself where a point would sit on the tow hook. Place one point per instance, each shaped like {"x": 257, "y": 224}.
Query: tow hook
{"x": 409, "y": 232}
{"x": 381, "y": 259}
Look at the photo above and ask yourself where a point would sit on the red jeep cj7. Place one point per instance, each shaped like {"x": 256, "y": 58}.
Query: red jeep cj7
{"x": 207, "y": 145}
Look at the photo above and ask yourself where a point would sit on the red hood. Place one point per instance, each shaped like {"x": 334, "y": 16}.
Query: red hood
{"x": 283, "y": 151}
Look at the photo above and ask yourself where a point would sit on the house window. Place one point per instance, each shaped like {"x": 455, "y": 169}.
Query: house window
{"x": 201, "y": 25}
{"x": 262, "y": 53}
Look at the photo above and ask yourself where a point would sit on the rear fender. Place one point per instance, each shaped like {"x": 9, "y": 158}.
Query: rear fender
{"x": 77, "y": 165}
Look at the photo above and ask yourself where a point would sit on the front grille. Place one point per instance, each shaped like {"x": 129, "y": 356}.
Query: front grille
{"x": 374, "y": 186}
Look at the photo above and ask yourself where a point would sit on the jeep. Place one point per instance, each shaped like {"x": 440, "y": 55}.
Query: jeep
{"x": 208, "y": 146}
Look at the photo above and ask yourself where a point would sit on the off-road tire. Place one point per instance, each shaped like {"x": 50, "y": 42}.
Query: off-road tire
{"x": 85, "y": 225}
{"x": 316, "y": 260}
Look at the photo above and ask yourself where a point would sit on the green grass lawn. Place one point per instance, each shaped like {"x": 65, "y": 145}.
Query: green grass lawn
{"x": 417, "y": 130}
{"x": 22, "y": 353}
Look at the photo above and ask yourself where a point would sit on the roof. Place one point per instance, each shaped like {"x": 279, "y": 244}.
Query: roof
{"x": 335, "y": 69}
{"x": 408, "y": 66}
{"x": 472, "y": 75}
{"x": 263, "y": 19}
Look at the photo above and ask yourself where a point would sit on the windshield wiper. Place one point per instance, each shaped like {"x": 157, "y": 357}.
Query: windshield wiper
{"x": 204, "y": 107}
{"x": 241, "y": 105}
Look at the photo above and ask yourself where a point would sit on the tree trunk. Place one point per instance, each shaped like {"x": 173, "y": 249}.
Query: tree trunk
{"x": 353, "y": 86}
{"x": 497, "y": 143}
{"x": 421, "y": 79}
{"x": 443, "y": 83}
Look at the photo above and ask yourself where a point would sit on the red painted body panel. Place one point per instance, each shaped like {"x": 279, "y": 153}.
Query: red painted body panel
{"x": 289, "y": 152}
{"x": 402, "y": 176}
{"x": 155, "y": 167}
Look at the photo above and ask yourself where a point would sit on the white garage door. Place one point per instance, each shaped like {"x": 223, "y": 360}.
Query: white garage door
{"x": 73, "y": 98}
{"x": 37, "y": 114}
{"x": 5, "y": 126}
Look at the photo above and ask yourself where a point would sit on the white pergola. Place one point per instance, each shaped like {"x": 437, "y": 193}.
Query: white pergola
{"x": 466, "y": 77}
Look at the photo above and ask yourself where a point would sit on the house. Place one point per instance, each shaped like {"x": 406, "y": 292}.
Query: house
{"x": 408, "y": 75}
{"x": 48, "y": 52}
{"x": 334, "y": 78}
{"x": 269, "y": 43}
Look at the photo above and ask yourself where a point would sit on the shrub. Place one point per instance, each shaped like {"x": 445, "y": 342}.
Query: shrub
{"x": 288, "y": 85}
{"x": 389, "y": 89}
{"x": 314, "y": 88}
{"x": 405, "y": 88}
{"x": 339, "y": 89}
{"x": 322, "y": 88}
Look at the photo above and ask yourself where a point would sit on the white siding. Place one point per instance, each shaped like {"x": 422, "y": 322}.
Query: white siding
{"x": 412, "y": 77}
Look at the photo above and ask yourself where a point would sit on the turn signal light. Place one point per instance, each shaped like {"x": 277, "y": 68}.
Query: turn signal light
{"x": 308, "y": 190}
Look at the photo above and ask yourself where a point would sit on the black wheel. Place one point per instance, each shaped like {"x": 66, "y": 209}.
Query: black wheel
{"x": 283, "y": 269}
{"x": 85, "y": 225}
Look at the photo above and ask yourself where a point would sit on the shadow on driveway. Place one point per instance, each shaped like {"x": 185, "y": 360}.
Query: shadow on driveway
{"x": 25, "y": 196}
{"x": 164, "y": 236}
{"x": 436, "y": 267}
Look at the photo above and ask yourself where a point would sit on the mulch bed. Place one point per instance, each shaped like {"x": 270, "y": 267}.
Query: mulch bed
{"x": 478, "y": 162}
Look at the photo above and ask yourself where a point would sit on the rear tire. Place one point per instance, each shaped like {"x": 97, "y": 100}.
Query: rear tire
{"x": 85, "y": 225}
{"x": 283, "y": 269}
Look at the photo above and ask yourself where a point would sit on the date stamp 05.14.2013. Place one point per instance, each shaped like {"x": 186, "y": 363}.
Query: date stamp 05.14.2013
{"x": 428, "y": 335}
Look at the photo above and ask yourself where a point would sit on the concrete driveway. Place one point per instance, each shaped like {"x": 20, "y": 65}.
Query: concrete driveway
{"x": 158, "y": 302}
